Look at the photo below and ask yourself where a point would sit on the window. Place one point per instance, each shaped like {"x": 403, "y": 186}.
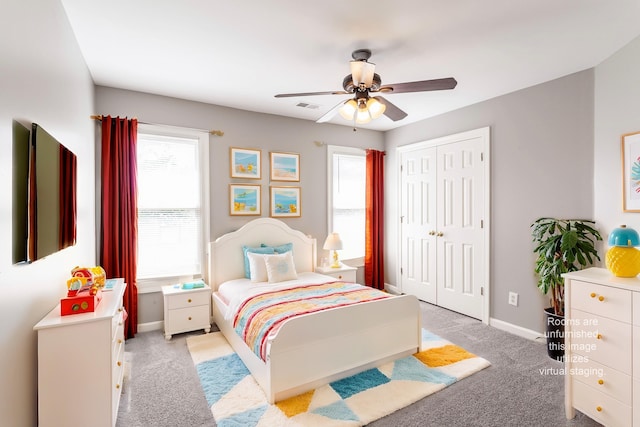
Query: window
{"x": 172, "y": 204}
{"x": 347, "y": 186}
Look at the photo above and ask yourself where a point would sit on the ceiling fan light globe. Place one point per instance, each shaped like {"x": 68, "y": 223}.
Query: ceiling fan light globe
{"x": 363, "y": 115}
{"x": 362, "y": 72}
{"x": 348, "y": 109}
{"x": 375, "y": 107}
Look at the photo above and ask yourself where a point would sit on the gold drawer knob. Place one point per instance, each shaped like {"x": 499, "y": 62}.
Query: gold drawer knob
{"x": 593, "y": 294}
{"x": 189, "y": 317}
{"x": 117, "y": 385}
{"x": 119, "y": 341}
{"x": 599, "y": 408}
{"x": 119, "y": 363}
{"x": 189, "y": 300}
{"x": 600, "y": 381}
{"x": 340, "y": 276}
{"x": 601, "y": 298}
{"x": 599, "y": 336}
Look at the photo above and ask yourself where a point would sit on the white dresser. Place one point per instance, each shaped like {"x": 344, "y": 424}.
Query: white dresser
{"x": 602, "y": 347}
{"x": 81, "y": 364}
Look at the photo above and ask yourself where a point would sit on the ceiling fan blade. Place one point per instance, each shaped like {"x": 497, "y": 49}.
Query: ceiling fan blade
{"x": 391, "y": 110}
{"x": 332, "y": 112}
{"x": 420, "y": 86}
{"x": 289, "y": 95}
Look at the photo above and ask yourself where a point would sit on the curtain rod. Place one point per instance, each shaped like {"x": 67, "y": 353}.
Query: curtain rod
{"x": 211, "y": 132}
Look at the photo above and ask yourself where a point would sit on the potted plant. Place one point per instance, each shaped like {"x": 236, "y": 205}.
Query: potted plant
{"x": 562, "y": 245}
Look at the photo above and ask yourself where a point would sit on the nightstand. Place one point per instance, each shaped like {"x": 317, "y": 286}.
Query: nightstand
{"x": 344, "y": 272}
{"x": 186, "y": 309}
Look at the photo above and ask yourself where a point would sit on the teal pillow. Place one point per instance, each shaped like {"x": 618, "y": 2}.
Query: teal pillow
{"x": 279, "y": 249}
{"x": 257, "y": 250}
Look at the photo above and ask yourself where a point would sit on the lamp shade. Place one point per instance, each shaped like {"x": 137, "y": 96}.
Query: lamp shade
{"x": 333, "y": 242}
{"x": 348, "y": 109}
{"x": 623, "y": 236}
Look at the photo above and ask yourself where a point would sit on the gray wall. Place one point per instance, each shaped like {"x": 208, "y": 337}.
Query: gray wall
{"x": 617, "y": 112}
{"x": 541, "y": 165}
{"x": 43, "y": 79}
{"x": 245, "y": 130}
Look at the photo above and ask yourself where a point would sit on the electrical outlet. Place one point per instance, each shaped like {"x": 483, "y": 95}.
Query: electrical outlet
{"x": 513, "y": 298}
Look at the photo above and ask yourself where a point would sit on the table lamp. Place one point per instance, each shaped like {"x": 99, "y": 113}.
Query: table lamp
{"x": 333, "y": 243}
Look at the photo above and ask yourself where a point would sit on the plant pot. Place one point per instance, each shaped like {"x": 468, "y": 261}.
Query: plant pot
{"x": 554, "y": 334}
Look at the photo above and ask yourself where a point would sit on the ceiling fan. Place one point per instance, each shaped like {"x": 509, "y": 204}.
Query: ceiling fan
{"x": 362, "y": 82}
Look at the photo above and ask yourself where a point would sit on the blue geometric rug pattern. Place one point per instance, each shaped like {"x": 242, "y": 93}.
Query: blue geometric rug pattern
{"x": 236, "y": 399}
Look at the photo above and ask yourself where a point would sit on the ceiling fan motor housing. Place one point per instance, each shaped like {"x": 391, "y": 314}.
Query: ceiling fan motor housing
{"x": 349, "y": 86}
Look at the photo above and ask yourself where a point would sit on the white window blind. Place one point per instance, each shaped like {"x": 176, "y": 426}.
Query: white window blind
{"x": 347, "y": 199}
{"x": 170, "y": 205}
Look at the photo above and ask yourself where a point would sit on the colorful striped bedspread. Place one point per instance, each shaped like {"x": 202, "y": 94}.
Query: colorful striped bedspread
{"x": 262, "y": 315}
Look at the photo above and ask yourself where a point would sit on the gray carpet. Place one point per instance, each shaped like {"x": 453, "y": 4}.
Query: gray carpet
{"x": 163, "y": 389}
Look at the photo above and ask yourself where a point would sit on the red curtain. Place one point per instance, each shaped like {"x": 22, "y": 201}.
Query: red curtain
{"x": 119, "y": 227}
{"x": 68, "y": 166}
{"x": 374, "y": 222}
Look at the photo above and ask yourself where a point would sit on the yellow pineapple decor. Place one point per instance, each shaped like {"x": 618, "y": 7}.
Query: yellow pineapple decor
{"x": 623, "y": 259}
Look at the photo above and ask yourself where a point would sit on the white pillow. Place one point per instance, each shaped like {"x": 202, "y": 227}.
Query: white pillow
{"x": 257, "y": 267}
{"x": 280, "y": 267}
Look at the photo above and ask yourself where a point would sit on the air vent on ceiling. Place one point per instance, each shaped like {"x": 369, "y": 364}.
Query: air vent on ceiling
{"x": 307, "y": 105}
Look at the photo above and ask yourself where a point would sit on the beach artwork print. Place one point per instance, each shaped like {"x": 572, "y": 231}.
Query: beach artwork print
{"x": 631, "y": 172}
{"x": 285, "y": 167}
{"x": 285, "y": 201}
{"x": 245, "y": 163}
{"x": 244, "y": 199}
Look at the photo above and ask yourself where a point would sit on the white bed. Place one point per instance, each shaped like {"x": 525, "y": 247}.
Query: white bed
{"x": 312, "y": 349}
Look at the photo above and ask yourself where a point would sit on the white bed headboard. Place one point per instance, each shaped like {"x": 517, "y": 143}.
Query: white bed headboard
{"x": 226, "y": 260}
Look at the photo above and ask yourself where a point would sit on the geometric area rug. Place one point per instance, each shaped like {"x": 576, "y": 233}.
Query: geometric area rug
{"x": 236, "y": 399}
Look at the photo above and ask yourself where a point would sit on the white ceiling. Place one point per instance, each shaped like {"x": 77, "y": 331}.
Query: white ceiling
{"x": 241, "y": 53}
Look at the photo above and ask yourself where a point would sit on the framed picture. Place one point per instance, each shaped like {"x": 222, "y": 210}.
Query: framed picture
{"x": 285, "y": 202}
{"x": 631, "y": 172}
{"x": 244, "y": 199}
{"x": 285, "y": 166}
{"x": 245, "y": 163}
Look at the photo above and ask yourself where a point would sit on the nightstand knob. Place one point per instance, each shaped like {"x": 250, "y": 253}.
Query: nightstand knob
{"x": 601, "y": 298}
{"x": 432, "y": 233}
{"x": 599, "y": 408}
{"x": 440, "y": 234}
{"x": 600, "y": 381}
{"x": 189, "y": 317}
{"x": 593, "y": 294}
{"x": 340, "y": 276}
{"x": 189, "y": 300}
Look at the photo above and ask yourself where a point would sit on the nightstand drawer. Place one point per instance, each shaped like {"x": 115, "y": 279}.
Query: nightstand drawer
{"x": 601, "y": 407}
{"x": 188, "y": 299}
{"x": 187, "y": 319}
{"x": 604, "y": 379}
{"x": 601, "y": 339}
{"x": 602, "y": 300}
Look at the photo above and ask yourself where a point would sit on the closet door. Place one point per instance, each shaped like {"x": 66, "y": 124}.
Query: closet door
{"x": 443, "y": 233}
{"x": 459, "y": 232}
{"x": 418, "y": 223}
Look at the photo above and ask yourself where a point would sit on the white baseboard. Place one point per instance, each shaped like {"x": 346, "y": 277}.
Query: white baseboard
{"x": 151, "y": 326}
{"x": 515, "y": 329}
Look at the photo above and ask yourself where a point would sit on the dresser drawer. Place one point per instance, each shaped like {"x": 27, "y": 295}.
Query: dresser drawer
{"x": 602, "y": 300}
{"x": 188, "y": 299}
{"x": 187, "y": 319}
{"x": 607, "y": 380}
{"x": 636, "y": 353}
{"x": 600, "y": 407}
{"x": 636, "y": 403}
{"x": 601, "y": 339}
